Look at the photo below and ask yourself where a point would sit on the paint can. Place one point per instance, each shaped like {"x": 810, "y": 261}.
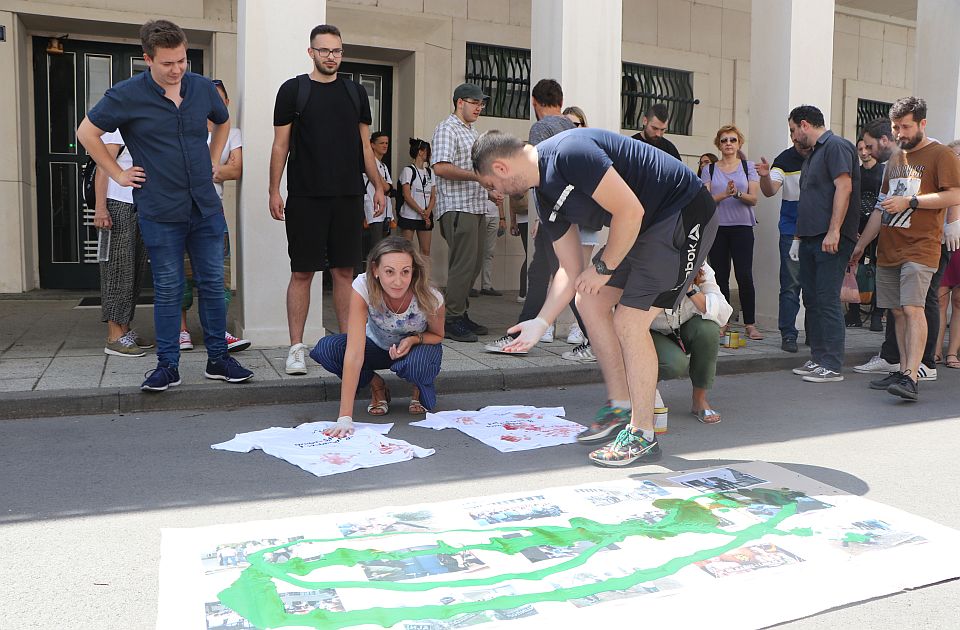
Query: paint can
{"x": 734, "y": 340}
{"x": 743, "y": 342}
{"x": 660, "y": 415}
{"x": 725, "y": 340}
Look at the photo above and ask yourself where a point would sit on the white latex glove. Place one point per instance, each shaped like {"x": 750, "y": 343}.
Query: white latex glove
{"x": 951, "y": 235}
{"x": 795, "y": 250}
{"x": 343, "y": 427}
{"x": 530, "y": 333}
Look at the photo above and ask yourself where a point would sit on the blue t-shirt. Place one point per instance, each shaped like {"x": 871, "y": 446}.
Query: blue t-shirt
{"x": 786, "y": 169}
{"x": 572, "y": 163}
{"x": 168, "y": 142}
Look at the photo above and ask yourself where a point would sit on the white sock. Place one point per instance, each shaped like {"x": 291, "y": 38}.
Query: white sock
{"x": 649, "y": 436}
{"x": 623, "y": 404}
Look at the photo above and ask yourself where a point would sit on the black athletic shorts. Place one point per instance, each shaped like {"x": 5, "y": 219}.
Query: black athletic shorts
{"x": 324, "y": 232}
{"x": 660, "y": 266}
{"x": 415, "y": 224}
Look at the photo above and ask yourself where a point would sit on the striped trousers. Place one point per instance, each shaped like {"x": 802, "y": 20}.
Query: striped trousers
{"x": 120, "y": 276}
{"x": 419, "y": 367}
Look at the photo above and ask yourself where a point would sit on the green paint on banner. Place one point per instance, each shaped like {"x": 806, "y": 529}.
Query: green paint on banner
{"x": 254, "y": 594}
{"x": 853, "y": 537}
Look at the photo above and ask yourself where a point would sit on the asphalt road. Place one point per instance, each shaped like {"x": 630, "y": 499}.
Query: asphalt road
{"x": 83, "y": 499}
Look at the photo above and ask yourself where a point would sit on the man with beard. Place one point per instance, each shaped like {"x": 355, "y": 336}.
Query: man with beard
{"x": 322, "y": 123}
{"x": 920, "y": 183}
{"x": 662, "y": 225}
{"x": 826, "y": 231}
{"x": 654, "y": 126}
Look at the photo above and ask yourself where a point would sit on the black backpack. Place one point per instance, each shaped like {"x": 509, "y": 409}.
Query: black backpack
{"x": 743, "y": 163}
{"x": 398, "y": 192}
{"x": 303, "y": 95}
{"x": 88, "y": 180}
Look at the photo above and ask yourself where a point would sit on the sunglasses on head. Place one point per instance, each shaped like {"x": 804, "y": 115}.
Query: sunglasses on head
{"x": 729, "y": 140}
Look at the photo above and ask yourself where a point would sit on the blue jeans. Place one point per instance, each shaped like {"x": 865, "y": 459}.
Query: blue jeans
{"x": 202, "y": 238}
{"x": 821, "y": 275}
{"x": 789, "y": 290}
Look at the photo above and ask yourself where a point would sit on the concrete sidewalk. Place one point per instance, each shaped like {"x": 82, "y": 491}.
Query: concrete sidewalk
{"x": 52, "y": 362}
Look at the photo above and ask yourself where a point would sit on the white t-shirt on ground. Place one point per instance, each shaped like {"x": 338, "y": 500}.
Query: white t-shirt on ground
{"x": 421, "y": 187}
{"x": 234, "y": 141}
{"x": 508, "y": 428}
{"x": 114, "y": 190}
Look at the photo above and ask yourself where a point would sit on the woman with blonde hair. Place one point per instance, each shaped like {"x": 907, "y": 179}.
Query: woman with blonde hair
{"x": 576, "y": 116}
{"x": 396, "y": 324}
{"x": 735, "y": 185}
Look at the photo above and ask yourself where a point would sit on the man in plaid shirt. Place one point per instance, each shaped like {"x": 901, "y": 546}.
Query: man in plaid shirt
{"x": 461, "y": 206}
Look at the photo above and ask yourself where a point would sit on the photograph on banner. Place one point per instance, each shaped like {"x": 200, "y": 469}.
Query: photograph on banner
{"x": 718, "y": 480}
{"x": 391, "y": 523}
{"x": 514, "y": 510}
{"x": 747, "y": 559}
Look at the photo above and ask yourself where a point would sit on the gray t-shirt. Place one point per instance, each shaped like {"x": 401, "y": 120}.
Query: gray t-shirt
{"x": 548, "y": 127}
{"x": 831, "y": 157}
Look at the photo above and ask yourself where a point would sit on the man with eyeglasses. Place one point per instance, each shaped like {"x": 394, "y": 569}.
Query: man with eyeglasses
{"x": 655, "y": 121}
{"x": 461, "y": 208}
{"x": 325, "y": 139}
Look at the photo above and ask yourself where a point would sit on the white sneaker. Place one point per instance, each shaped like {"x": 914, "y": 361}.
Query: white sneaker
{"x": 926, "y": 374}
{"x": 823, "y": 375}
{"x": 807, "y": 368}
{"x": 186, "y": 343}
{"x": 297, "y": 359}
{"x": 499, "y": 344}
{"x": 235, "y": 344}
{"x": 877, "y": 365}
{"x": 575, "y": 336}
{"x": 581, "y": 354}
{"x": 521, "y": 299}
{"x": 548, "y": 336}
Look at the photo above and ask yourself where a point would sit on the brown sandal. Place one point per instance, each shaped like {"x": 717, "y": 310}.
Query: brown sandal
{"x": 379, "y": 399}
{"x": 416, "y": 408}
{"x": 952, "y": 363}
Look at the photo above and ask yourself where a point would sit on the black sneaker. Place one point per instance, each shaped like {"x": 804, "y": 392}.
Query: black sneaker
{"x": 609, "y": 421}
{"x": 491, "y": 291}
{"x": 458, "y": 330}
{"x": 628, "y": 449}
{"x": 228, "y": 369}
{"x": 473, "y": 293}
{"x": 789, "y": 345}
{"x": 474, "y": 327}
{"x": 162, "y": 377}
{"x": 876, "y": 324}
{"x": 905, "y": 387}
{"x": 886, "y": 381}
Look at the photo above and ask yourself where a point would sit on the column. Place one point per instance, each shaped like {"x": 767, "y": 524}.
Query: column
{"x": 938, "y": 66}
{"x": 271, "y": 48}
{"x": 578, "y": 44}
{"x": 788, "y": 39}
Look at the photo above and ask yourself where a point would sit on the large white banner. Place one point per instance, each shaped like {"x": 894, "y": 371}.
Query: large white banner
{"x": 741, "y": 546}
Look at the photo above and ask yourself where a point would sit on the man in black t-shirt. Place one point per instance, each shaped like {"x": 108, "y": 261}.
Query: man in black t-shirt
{"x": 329, "y": 152}
{"x": 654, "y": 126}
{"x": 662, "y": 225}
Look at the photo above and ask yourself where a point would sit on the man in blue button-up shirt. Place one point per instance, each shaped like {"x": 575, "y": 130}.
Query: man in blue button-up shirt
{"x": 163, "y": 115}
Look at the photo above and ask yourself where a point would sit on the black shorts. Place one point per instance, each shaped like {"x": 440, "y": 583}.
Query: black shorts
{"x": 415, "y": 224}
{"x": 660, "y": 266}
{"x": 324, "y": 232}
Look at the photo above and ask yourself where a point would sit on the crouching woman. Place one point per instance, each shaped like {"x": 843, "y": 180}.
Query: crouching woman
{"x": 396, "y": 323}
{"x": 686, "y": 339}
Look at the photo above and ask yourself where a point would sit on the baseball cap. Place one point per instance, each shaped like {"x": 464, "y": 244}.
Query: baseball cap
{"x": 469, "y": 90}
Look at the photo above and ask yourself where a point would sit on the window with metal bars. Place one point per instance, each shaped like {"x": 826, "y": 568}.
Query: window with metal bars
{"x": 868, "y": 110}
{"x": 504, "y": 74}
{"x": 642, "y": 86}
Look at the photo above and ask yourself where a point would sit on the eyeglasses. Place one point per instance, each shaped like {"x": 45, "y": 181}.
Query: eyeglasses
{"x": 217, "y": 82}
{"x": 729, "y": 140}
{"x": 326, "y": 52}
{"x": 475, "y": 103}
{"x": 578, "y": 124}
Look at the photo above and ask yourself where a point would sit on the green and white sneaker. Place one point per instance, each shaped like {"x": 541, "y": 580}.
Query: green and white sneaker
{"x": 608, "y": 421}
{"x": 628, "y": 449}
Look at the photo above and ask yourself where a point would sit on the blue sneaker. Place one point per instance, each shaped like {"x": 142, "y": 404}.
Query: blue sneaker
{"x": 161, "y": 378}
{"x": 228, "y": 369}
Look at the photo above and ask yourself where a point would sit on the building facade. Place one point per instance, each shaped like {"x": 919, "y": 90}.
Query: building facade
{"x": 712, "y": 61}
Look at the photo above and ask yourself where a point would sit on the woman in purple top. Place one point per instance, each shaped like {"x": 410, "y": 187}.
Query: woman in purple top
{"x": 734, "y": 184}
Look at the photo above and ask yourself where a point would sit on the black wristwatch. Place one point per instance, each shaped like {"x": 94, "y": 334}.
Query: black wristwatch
{"x": 602, "y": 268}
{"x": 693, "y": 291}
{"x": 913, "y": 202}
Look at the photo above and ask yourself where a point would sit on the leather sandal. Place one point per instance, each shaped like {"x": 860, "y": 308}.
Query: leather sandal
{"x": 952, "y": 363}
{"x": 416, "y": 408}
{"x": 707, "y": 416}
{"x": 379, "y": 400}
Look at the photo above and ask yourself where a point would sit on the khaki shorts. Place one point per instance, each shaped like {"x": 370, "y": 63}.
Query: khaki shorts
{"x": 906, "y": 285}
